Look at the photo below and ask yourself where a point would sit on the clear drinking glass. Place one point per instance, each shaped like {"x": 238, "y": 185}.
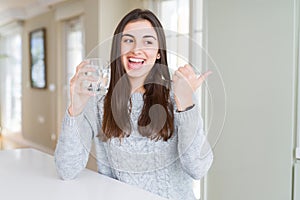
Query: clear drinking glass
{"x": 102, "y": 73}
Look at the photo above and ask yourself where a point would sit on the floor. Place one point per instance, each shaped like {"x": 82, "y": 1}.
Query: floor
{"x": 6, "y": 143}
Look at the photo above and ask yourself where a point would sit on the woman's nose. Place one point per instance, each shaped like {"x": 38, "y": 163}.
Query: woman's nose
{"x": 138, "y": 47}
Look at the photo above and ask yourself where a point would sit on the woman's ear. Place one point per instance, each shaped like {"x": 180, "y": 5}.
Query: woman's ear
{"x": 158, "y": 56}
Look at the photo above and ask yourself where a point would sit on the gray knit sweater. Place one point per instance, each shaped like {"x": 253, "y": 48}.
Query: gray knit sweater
{"x": 164, "y": 168}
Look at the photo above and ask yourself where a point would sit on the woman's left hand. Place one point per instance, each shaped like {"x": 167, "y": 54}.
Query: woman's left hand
{"x": 186, "y": 82}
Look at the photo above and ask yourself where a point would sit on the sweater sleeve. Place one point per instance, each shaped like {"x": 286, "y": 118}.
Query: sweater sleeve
{"x": 194, "y": 150}
{"x": 73, "y": 147}
{"x": 102, "y": 159}
{"x": 75, "y": 141}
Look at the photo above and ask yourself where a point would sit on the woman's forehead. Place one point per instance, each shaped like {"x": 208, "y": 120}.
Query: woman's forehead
{"x": 139, "y": 28}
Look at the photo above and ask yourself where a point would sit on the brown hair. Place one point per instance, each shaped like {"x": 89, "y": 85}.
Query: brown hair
{"x": 116, "y": 120}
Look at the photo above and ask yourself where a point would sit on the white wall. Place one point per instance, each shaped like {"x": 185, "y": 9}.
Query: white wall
{"x": 111, "y": 13}
{"x": 41, "y": 109}
{"x": 252, "y": 43}
{"x": 38, "y": 105}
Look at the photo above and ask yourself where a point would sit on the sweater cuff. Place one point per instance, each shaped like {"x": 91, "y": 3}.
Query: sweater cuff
{"x": 187, "y": 116}
{"x": 71, "y": 121}
{"x": 188, "y": 108}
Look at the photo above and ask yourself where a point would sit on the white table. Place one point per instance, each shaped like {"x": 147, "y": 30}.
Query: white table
{"x": 30, "y": 174}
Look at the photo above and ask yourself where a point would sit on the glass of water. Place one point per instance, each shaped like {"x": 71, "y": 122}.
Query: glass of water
{"x": 102, "y": 74}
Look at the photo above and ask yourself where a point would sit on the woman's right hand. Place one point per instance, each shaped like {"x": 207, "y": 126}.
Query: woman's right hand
{"x": 79, "y": 92}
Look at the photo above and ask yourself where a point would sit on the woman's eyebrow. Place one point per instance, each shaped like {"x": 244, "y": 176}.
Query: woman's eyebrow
{"x": 145, "y": 36}
{"x": 149, "y": 36}
{"x": 126, "y": 34}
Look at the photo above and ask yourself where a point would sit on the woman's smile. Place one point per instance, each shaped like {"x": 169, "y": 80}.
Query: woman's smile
{"x": 135, "y": 63}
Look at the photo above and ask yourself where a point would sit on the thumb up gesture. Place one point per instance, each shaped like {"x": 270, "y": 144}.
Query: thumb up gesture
{"x": 186, "y": 82}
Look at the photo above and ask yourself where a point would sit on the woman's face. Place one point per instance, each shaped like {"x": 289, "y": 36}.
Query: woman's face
{"x": 139, "y": 49}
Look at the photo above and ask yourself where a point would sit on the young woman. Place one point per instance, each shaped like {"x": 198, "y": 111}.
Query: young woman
{"x": 147, "y": 129}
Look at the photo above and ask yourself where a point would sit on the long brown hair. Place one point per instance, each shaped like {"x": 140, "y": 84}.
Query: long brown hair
{"x": 116, "y": 120}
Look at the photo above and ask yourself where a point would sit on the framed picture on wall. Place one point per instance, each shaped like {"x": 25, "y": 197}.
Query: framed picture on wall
{"x": 37, "y": 49}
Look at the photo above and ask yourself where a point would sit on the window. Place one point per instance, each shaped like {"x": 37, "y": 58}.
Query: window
{"x": 11, "y": 81}
{"x": 183, "y": 24}
{"x": 174, "y": 15}
{"x": 74, "y": 51}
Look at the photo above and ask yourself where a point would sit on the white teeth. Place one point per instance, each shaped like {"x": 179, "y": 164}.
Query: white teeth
{"x": 136, "y": 60}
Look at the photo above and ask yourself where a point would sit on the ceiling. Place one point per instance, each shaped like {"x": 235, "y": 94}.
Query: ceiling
{"x": 8, "y": 4}
{"x": 23, "y": 9}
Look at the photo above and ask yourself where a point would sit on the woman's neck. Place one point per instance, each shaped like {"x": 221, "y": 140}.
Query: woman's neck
{"x": 137, "y": 86}
{"x": 138, "y": 90}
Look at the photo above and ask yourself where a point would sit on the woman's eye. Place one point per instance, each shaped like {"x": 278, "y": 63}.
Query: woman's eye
{"x": 148, "y": 42}
{"x": 128, "y": 40}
